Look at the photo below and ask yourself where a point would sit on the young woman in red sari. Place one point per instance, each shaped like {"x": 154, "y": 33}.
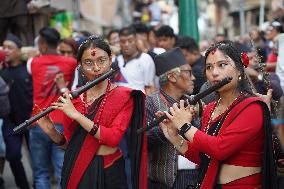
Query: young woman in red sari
{"x": 100, "y": 129}
{"x": 233, "y": 147}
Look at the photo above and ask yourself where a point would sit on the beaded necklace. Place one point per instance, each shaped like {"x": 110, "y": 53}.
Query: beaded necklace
{"x": 102, "y": 104}
{"x": 225, "y": 114}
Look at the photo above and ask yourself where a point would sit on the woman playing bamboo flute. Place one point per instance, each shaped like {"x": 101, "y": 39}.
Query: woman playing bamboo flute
{"x": 102, "y": 148}
{"x": 233, "y": 147}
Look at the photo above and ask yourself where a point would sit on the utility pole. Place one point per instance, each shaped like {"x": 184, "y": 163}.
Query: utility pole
{"x": 76, "y": 10}
{"x": 261, "y": 12}
{"x": 188, "y": 18}
{"x": 242, "y": 18}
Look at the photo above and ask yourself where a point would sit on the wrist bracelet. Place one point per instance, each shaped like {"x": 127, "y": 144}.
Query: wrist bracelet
{"x": 94, "y": 129}
{"x": 184, "y": 129}
{"x": 180, "y": 145}
{"x": 62, "y": 141}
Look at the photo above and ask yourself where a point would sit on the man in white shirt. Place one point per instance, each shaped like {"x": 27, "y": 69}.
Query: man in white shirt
{"x": 136, "y": 69}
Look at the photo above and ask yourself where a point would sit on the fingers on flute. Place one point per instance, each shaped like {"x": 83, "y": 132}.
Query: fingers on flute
{"x": 172, "y": 111}
{"x": 55, "y": 105}
{"x": 66, "y": 96}
{"x": 175, "y": 107}
{"x": 187, "y": 102}
{"x": 62, "y": 99}
{"x": 181, "y": 105}
{"x": 169, "y": 115}
{"x": 159, "y": 114}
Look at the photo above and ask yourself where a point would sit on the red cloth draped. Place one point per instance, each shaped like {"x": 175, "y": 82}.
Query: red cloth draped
{"x": 117, "y": 100}
{"x": 200, "y": 139}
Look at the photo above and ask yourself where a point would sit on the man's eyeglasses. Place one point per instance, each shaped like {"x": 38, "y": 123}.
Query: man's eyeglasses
{"x": 188, "y": 71}
{"x": 100, "y": 62}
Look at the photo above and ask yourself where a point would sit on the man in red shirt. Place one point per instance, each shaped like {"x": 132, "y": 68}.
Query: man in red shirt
{"x": 44, "y": 69}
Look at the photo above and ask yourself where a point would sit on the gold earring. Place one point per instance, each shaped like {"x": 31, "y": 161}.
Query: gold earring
{"x": 240, "y": 78}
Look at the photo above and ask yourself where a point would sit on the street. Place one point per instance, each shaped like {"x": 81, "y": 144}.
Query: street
{"x": 9, "y": 178}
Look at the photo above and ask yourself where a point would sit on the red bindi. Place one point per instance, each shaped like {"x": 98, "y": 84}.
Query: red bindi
{"x": 93, "y": 53}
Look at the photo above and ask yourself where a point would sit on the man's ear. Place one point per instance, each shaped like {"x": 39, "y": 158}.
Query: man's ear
{"x": 42, "y": 46}
{"x": 172, "y": 77}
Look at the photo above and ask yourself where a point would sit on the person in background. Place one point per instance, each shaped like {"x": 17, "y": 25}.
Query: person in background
{"x": 220, "y": 37}
{"x": 152, "y": 36}
{"x": 136, "y": 69}
{"x": 4, "y": 111}
{"x": 21, "y": 99}
{"x": 14, "y": 19}
{"x": 143, "y": 45}
{"x": 257, "y": 77}
{"x": 279, "y": 127}
{"x": 271, "y": 36}
{"x": 258, "y": 42}
{"x": 4, "y": 99}
{"x": 166, "y": 168}
{"x": 2, "y": 60}
{"x": 113, "y": 39}
{"x": 44, "y": 70}
{"x": 166, "y": 38}
{"x": 68, "y": 47}
{"x": 279, "y": 123}
{"x": 278, "y": 145}
{"x": 193, "y": 57}
{"x": 155, "y": 12}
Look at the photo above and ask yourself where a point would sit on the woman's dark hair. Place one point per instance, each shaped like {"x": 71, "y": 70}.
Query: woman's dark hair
{"x": 72, "y": 43}
{"x": 93, "y": 42}
{"x": 229, "y": 49}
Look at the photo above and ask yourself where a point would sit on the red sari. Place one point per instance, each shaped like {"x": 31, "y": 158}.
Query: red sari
{"x": 241, "y": 140}
{"x": 118, "y": 120}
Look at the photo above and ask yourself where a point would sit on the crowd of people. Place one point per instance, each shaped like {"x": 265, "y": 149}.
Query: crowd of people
{"x": 232, "y": 138}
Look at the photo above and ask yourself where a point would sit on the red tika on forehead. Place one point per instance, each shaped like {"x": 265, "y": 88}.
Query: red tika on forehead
{"x": 93, "y": 53}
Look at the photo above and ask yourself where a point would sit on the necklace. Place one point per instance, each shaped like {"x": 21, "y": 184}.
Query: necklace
{"x": 225, "y": 114}
{"x": 222, "y": 118}
{"x": 88, "y": 103}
